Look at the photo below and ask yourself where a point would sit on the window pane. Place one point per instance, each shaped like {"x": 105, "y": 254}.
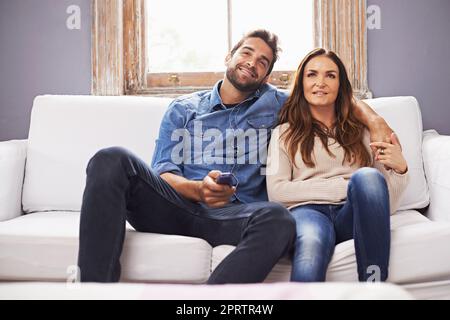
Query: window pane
{"x": 291, "y": 20}
{"x": 191, "y": 36}
{"x": 186, "y": 36}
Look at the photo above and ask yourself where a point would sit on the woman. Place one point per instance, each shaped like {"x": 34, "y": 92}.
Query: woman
{"x": 320, "y": 166}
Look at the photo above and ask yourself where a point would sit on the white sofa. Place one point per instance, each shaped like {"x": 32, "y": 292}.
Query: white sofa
{"x": 42, "y": 180}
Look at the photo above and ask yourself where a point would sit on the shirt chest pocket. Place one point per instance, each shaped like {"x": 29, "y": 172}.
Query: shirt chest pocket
{"x": 254, "y": 141}
{"x": 262, "y": 122}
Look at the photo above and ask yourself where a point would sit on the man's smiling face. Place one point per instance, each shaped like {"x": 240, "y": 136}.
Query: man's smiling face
{"x": 247, "y": 69}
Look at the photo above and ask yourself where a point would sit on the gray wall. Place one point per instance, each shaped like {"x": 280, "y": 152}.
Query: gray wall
{"x": 39, "y": 55}
{"x": 410, "y": 55}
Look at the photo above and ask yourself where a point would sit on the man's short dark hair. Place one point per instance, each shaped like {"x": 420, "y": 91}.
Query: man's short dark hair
{"x": 268, "y": 37}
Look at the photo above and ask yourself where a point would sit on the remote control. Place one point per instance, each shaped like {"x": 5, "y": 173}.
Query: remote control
{"x": 226, "y": 178}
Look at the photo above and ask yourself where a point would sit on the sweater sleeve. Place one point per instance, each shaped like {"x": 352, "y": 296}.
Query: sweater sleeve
{"x": 283, "y": 189}
{"x": 396, "y": 182}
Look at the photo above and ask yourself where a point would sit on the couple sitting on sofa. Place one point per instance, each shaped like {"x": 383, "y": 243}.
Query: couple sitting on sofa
{"x": 317, "y": 167}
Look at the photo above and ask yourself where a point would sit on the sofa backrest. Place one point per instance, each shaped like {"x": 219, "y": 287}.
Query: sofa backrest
{"x": 66, "y": 131}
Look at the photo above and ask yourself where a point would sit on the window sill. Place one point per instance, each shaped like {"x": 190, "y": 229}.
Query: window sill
{"x": 174, "y": 92}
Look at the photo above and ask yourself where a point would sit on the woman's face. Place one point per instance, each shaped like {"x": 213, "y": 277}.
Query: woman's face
{"x": 321, "y": 82}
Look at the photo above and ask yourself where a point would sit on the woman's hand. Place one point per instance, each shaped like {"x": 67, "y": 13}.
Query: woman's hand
{"x": 391, "y": 154}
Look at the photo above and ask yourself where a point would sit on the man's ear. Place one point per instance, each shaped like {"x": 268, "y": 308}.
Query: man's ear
{"x": 266, "y": 79}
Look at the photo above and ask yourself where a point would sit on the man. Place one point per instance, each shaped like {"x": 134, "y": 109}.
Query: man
{"x": 180, "y": 194}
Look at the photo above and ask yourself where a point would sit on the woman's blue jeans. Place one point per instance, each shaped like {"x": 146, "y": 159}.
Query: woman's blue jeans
{"x": 365, "y": 217}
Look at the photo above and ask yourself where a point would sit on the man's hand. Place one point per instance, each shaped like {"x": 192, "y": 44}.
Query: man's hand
{"x": 380, "y": 131}
{"x": 378, "y": 128}
{"x": 212, "y": 194}
{"x": 390, "y": 154}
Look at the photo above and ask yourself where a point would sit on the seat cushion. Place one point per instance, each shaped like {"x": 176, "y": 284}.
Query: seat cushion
{"x": 41, "y": 246}
{"x": 404, "y": 117}
{"x": 419, "y": 253}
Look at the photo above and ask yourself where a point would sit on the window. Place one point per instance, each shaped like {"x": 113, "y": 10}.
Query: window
{"x": 171, "y": 47}
{"x": 189, "y": 49}
{"x": 340, "y": 26}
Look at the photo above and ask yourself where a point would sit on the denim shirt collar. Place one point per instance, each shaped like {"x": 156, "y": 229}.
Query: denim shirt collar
{"x": 216, "y": 102}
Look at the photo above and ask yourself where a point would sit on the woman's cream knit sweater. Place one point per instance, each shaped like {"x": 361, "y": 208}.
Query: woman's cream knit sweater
{"x": 327, "y": 182}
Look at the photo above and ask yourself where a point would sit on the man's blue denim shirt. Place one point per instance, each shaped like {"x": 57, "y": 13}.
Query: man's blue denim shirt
{"x": 199, "y": 133}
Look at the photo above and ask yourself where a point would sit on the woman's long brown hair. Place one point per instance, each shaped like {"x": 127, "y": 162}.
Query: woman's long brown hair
{"x": 303, "y": 128}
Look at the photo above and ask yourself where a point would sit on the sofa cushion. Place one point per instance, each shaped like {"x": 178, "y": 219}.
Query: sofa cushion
{"x": 66, "y": 131}
{"x": 41, "y": 246}
{"x": 404, "y": 116}
{"x": 419, "y": 253}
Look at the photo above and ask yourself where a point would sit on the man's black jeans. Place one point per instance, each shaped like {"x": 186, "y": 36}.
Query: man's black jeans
{"x": 120, "y": 187}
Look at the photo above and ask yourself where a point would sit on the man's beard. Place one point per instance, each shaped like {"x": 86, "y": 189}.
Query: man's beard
{"x": 244, "y": 87}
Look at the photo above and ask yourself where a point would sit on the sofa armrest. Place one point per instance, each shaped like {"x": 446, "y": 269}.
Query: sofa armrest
{"x": 436, "y": 158}
{"x": 12, "y": 168}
